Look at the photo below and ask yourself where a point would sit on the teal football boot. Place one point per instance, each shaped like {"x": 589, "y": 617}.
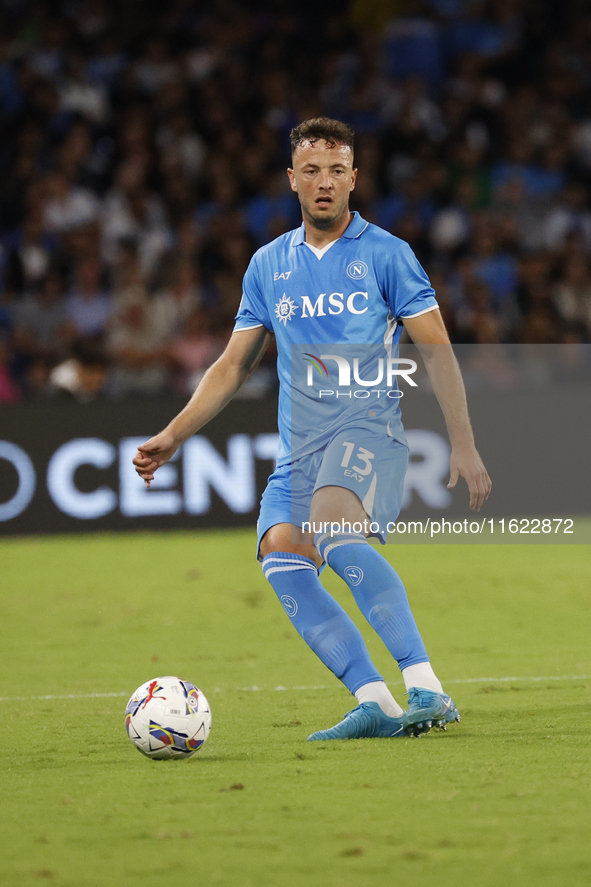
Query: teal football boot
{"x": 367, "y": 720}
{"x": 427, "y": 709}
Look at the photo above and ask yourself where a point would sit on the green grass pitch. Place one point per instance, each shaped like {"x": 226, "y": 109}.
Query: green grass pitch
{"x": 500, "y": 799}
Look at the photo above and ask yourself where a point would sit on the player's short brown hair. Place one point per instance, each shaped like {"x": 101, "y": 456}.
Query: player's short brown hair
{"x": 334, "y": 132}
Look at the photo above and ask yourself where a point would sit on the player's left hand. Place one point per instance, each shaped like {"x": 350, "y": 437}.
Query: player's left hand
{"x": 466, "y": 462}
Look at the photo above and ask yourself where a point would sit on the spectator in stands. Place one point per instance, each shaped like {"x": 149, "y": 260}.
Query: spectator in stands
{"x": 40, "y": 322}
{"x": 88, "y": 305}
{"x": 79, "y": 95}
{"x": 132, "y": 211}
{"x": 133, "y": 343}
{"x": 497, "y": 270}
{"x": 83, "y": 377}
{"x": 194, "y": 349}
{"x": 29, "y": 254}
{"x": 67, "y": 206}
{"x": 570, "y": 215}
{"x": 177, "y": 300}
{"x": 572, "y": 295}
{"x": 9, "y": 390}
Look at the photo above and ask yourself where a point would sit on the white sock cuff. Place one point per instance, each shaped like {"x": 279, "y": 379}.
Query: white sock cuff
{"x": 377, "y": 691}
{"x": 286, "y": 562}
{"x": 421, "y": 675}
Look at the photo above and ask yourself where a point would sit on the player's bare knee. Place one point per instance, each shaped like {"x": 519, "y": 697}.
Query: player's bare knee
{"x": 288, "y": 538}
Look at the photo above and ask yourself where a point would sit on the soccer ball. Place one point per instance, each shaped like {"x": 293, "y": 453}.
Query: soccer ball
{"x": 168, "y": 718}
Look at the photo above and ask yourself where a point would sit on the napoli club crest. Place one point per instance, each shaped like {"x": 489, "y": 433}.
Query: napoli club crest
{"x": 354, "y": 575}
{"x": 289, "y": 604}
{"x": 357, "y": 270}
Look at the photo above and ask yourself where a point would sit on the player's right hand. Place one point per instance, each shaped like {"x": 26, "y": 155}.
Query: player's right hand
{"x": 154, "y": 453}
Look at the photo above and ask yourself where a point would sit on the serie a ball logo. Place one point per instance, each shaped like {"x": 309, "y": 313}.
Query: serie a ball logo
{"x": 168, "y": 718}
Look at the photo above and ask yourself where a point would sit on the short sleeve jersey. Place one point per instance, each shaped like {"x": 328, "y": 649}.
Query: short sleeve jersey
{"x": 350, "y": 296}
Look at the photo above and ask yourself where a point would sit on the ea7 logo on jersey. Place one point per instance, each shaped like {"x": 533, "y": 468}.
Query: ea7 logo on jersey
{"x": 281, "y": 275}
{"x": 357, "y": 270}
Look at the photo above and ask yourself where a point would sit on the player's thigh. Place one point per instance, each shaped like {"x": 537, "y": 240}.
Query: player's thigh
{"x": 285, "y": 505}
{"x": 331, "y": 504}
{"x": 370, "y": 464}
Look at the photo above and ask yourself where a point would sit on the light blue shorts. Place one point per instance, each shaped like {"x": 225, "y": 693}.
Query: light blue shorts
{"x": 362, "y": 459}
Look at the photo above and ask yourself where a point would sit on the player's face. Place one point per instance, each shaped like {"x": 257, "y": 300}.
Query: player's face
{"x": 323, "y": 177}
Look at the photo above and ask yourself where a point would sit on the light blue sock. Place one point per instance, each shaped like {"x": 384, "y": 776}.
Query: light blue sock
{"x": 378, "y": 592}
{"x": 322, "y": 623}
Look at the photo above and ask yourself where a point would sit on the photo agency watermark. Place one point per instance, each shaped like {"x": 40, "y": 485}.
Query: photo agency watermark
{"x": 348, "y": 377}
{"x": 433, "y": 528}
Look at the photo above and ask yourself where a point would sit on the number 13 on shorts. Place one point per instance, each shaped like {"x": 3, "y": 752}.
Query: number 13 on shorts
{"x": 362, "y": 455}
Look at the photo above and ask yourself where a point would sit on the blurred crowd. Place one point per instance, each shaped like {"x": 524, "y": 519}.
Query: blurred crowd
{"x": 143, "y": 150}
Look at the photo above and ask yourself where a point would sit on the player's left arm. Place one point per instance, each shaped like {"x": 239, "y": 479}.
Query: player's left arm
{"x": 428, "y": 333}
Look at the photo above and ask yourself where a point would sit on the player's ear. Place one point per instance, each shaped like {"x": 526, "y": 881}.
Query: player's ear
{"x": 292, "y": 181}
{"x": 353, "y": 180}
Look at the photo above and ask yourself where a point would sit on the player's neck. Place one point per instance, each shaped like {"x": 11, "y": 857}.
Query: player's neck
{"x": 320, "y": 237}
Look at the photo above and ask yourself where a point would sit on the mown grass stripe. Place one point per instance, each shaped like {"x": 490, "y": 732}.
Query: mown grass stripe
{"x": 255, "y": 689}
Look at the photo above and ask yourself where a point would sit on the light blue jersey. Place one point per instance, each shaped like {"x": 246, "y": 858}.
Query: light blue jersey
{"x": 326, "y": 308}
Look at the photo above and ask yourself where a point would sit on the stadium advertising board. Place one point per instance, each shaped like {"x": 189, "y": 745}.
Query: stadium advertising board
{"x": 66, "y": 467}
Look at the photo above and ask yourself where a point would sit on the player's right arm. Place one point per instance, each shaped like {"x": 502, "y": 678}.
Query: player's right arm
{"x": 217, "y": 388}
{"x": 428, "y": 333}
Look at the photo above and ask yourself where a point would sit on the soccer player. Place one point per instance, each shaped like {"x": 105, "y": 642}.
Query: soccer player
{"x": 338, "y": 281}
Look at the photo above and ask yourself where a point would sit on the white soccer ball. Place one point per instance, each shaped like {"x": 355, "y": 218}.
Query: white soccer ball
{"x": 168, "y": 718}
